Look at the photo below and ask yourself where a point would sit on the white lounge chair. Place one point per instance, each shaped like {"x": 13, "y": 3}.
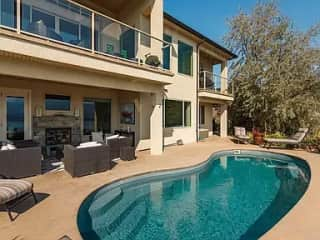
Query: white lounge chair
{"x": 241, "y": 135}
{"x": 295, "y": 140}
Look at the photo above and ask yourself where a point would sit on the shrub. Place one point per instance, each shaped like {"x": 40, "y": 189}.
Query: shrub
{"x": 277, "y": 135}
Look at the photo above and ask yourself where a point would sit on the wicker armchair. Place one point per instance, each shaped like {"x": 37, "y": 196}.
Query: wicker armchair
{"x": 24, "y": 161}
{"x": 79, "y": 162}
{"x": 115, "y": 144}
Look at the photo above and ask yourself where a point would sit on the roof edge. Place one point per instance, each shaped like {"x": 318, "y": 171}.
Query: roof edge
{"x": 198, "y": 34}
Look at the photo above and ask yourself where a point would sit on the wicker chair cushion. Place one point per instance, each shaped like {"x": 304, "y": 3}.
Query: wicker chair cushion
{"x": 88, "y": 145}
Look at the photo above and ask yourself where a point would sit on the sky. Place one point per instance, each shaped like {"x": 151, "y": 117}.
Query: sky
{"x": 210, "y": 16}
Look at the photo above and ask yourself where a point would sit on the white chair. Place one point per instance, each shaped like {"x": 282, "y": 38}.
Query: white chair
{"x": 97, "y": 136}
{"x": 241, "y": 135}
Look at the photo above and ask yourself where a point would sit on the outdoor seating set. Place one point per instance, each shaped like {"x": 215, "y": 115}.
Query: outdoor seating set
{"x": 96, "y": 156}
{"x": 23, "y": 159}
{"x": 295, "y": 140}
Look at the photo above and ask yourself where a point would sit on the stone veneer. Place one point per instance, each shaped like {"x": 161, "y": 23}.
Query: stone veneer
{"x": 40, "y": 124}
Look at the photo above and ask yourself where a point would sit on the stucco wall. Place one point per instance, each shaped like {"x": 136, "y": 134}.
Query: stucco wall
{"x": 183, "y": 88}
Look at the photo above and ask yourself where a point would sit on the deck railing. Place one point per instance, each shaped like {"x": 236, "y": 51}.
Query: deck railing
{"x": 69, "y": 23}
{"x": 215, "y": 83}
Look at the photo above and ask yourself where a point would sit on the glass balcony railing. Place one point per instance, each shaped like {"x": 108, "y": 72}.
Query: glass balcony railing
{"x": 74, "y": 25}
{"x": 58, "y": 20}
{"x": 209, "y": 81}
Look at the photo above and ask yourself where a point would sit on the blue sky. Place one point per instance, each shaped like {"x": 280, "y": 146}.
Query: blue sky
{"x": 209, "y": 16}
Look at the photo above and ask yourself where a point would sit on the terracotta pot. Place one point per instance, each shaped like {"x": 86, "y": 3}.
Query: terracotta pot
{"x": 258, "y": 137}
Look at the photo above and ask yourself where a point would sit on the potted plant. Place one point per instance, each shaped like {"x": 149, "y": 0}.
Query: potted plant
{"x": 258, "y": 136}
{"x": 153, "y": 60}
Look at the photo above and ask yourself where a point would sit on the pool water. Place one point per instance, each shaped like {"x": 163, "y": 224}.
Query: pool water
{"x": 232, "y": 196}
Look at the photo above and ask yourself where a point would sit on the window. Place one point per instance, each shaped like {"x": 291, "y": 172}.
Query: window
{"x": 48, "y": 20}
{"x": 69, "y": 31}
{"x": 177, "y": 113}
{"x": 8, "y": 13}
{"x": 202, "y": 114}
{"x": 96, "y": 116}
{"x": 173, "y": 113}
{"x": 184, "y": 58}
{"x": 15, "y": 118}
{"x": 58, "y": 103}
{"x": 187, "y": 114}
{"x": 166, "y": 51}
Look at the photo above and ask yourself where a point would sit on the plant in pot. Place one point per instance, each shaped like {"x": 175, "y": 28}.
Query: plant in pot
{"x": 153, "y": 60}
{"x": 258, "y": 136}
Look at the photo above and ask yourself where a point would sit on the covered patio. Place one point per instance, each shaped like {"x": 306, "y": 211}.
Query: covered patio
{"x": 55, "y": 114}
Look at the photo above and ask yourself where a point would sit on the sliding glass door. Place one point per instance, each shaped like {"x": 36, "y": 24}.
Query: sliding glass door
{"x": 96, "y": 116}
{"x": 14, "y": 115}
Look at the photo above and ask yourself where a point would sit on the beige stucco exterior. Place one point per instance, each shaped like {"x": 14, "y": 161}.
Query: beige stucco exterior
{"x": 42, "y": 66}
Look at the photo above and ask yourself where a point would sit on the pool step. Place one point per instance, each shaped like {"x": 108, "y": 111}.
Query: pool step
{"x": 106, "y": 216}
{"x": 106, "y": 201}
{"x": 128, "y": 223}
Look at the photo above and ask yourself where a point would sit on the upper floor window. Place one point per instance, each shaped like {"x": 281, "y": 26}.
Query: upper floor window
{"x": 166, "y": 51}
{"x": 58, "y": 103}
{"x": 7, "y": 13}
{"x": 185, "y": 58}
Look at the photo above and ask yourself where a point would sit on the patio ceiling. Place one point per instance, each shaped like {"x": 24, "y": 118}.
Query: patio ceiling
{"x": 113, "y": 6}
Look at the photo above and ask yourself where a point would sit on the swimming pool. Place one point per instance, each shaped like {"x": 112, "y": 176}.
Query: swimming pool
{"x": 234, "y": 195}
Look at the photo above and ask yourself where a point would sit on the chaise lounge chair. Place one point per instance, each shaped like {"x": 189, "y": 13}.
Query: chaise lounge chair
{"x": 240, "y": 135}
{"x": 13, "y": 192}
{"x": 295, "y": 140}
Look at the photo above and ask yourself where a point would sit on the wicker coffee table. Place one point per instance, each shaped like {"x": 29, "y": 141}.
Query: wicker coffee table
{"x": 127, "y": 153}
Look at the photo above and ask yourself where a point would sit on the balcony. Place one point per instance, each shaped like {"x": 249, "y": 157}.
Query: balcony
{"x": 214, "y": 86}
{"x": 68, "y": 23}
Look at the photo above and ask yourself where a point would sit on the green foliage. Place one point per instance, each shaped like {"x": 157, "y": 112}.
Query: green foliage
{"x": 276, "y": 78}
{"x": 312, "y": 142}
{"x": 277, "y": 135}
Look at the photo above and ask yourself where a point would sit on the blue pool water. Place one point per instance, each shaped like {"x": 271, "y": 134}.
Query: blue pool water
{"x": 232, "y": 196}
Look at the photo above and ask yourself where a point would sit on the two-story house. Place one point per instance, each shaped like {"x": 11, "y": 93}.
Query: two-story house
{"x": 70, "y": 68}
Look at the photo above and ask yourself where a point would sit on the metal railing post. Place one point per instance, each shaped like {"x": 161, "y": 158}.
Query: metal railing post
{"x": 138, "y": 47}
{"x": 92, "y": 32}
{"x": 204, "y": 80}
{"x": 18, "y": 2}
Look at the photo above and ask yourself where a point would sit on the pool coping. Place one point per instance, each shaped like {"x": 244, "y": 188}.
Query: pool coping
{"x": 153, "y": 175}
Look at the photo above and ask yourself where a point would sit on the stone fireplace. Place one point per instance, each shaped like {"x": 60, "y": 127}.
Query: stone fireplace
{"x": 58, "y": 136}
{"x": 53, "y": 132}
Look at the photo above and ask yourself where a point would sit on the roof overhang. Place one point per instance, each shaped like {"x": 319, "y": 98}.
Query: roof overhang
{"x": 201, "y": 38}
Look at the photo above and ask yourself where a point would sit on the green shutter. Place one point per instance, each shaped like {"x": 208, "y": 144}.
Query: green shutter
{"x": 166, "y": 52}
{"x": 185, "y": 58}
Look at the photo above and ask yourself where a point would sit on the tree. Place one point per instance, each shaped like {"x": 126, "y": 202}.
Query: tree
{"x": 276, "y": 77}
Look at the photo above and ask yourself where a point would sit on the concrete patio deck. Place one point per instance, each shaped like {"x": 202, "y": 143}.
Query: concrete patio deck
{"x": 55, "y": 215}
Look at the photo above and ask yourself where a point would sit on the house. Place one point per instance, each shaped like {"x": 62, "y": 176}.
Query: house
{"x": 70, "y": 68}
